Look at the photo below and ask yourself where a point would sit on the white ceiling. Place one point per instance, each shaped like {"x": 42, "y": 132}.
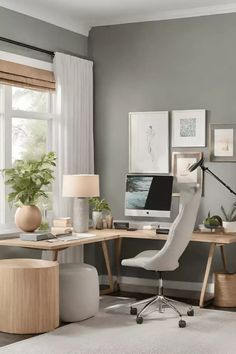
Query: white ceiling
{"x": 80, "y": 15}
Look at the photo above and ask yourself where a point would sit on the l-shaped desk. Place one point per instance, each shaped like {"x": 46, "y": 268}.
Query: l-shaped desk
{"x": 213, "y": 239}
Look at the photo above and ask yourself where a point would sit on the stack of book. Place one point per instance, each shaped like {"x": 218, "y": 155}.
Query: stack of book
{"x": 35, "y": 236}
{"x": 61, "y": 226}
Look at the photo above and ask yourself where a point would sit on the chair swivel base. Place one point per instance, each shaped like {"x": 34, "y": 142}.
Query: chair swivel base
{"x": 162, "y": 303}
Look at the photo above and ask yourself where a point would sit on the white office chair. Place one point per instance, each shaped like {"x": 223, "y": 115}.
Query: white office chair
{"x": 167, "y": 258}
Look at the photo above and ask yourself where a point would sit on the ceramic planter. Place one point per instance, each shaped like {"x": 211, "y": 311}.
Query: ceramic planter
{"x": 28, "y": 218}
{"x": 229, "y": 226}
{"x": 97, "y": 219}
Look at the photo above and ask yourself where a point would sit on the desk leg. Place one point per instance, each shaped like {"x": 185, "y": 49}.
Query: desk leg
{"x": 223, "y": 257}
{"x": 55, "y": 255}
{"x": 118, "y": 245}
{"x": 207, "y": 272}
{"x": 108, "y": 266}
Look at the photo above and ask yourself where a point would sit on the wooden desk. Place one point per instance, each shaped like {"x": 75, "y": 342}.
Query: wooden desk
{"x": 102, "y": 236}
{"x": 213, "y": 239}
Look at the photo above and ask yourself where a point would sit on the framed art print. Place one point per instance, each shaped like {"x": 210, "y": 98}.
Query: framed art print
{"x": 149, "y": 142}
{"x": 189, "y": 128}
{"x": 181, "y": 161}
{"x": 223, "y": 142}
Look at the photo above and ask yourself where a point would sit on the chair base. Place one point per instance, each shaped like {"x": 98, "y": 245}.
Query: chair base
{"x": 162, "y": 303}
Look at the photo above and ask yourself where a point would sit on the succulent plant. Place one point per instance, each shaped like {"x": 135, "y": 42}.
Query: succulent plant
{"x": 231, "y": 215}
{"x": 213, "y": 221}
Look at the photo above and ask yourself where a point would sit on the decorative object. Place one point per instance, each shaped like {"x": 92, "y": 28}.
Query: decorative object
{"x": 225, "y": 290}
{"x": 181, "y": 161}
{"x": 27, "y": 180}
{"x": 149, "y": 142}
{"x": 99, "y": 206}
{"x": 28, "y": 218}
{"x": 188, "y": 128}
{"x": 223, "y": 142}
{"x": 81, "y": 188}
{"x": 229, "y": 222}
{"x": 200, "y": 163}
{"x": 212, "y": 222}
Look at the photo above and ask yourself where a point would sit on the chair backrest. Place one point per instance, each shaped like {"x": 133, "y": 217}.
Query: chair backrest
{"x": 180, "y": 232}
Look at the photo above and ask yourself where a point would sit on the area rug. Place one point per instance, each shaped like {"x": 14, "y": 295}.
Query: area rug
{"x": 114, "y": 331}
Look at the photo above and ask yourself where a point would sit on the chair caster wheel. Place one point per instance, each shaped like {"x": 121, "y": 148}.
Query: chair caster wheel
{"x": 133, "y": 311}
{"x": 182, "y": 323}
{"x": 190, "y": 312}
{"x": 139, "y": 320}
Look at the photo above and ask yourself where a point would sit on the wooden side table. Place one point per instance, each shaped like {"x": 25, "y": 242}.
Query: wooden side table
{"x": 29, "y": 295}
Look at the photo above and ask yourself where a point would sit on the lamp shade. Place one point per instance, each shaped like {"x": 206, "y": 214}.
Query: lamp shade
{"x": 82, "y": 186}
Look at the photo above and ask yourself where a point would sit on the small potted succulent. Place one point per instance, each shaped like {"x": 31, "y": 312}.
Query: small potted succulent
{"x": 212, "y": 222}
{"x": 229, "y": 222}
{"x": 27, "y": 180}
{"x": 98, "y": 206}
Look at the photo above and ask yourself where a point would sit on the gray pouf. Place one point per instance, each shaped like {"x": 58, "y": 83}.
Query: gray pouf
{"x": 79, "y": 292}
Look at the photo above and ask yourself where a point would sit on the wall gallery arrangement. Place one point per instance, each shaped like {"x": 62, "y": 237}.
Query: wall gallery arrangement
{"x": 149, "y": 143}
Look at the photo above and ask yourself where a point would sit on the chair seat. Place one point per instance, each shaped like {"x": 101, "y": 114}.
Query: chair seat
{"x": 140, "y": 260}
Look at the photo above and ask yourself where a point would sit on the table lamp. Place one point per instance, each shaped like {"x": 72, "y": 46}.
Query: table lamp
{"x": 81, "y": 188}
{"x": 200, "y": 164}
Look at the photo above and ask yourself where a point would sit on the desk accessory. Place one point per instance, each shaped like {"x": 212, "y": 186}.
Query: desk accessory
{"x": 162, "y": 231}
{"x": 200, "y": 164}
{"x": 81, "y": 188}
{"x": 122, "y": 225}
{"x": 36, "y": 236}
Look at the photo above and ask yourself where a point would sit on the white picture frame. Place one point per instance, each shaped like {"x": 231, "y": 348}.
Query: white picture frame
{"x": 222, "y": 142}
{"x": 149, "y": 142}
{"x": 189, "y": 128}
{"x": 181, "y": 161}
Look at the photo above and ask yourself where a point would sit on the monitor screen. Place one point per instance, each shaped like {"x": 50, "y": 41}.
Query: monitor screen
{"x": 148, "y": 195}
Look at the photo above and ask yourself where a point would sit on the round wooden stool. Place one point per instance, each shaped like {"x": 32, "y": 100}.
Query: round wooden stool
{"x": 29, "y": 295}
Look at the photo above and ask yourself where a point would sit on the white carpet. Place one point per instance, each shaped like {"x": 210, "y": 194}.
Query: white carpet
{"x": 114, "y": 331}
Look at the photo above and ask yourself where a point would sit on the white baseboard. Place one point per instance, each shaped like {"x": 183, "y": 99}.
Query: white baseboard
{"x": 143, "y": 285}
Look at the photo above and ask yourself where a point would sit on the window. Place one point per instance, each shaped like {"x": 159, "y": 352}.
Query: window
{"x": 25, "y": 131}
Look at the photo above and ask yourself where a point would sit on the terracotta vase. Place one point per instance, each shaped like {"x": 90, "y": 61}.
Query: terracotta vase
{"x": 28, "y": 218}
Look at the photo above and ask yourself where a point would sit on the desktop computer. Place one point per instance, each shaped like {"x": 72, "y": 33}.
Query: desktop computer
{"x": 148, "y": 195}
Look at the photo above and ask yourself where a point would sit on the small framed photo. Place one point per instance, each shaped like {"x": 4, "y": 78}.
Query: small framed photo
{"x": 223, "y": 142}
{"x": 181, "y": 161}
{"x": 189, "y": 128}
{"x": 149, "y": 142}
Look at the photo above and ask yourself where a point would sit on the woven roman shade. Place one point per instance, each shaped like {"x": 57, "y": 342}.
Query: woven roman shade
{"x": 26, "y": 76}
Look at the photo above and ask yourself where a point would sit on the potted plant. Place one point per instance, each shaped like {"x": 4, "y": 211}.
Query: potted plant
{"x": 99, "y": 206}
{"x": 212, "y": 222}
{"x": 229, "y": 223}
{"x": 27, "y": 180}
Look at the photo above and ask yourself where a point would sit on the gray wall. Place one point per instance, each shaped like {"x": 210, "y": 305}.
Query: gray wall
{"x": 166, "y": 65}
{"x": 29, "y": 30}
{"x": 41, "y": 34}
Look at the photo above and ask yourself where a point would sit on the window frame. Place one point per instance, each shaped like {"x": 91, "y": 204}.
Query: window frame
{"x": 6, "y": 118}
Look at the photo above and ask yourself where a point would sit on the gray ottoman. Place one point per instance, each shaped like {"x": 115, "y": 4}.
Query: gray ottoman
{"x": 79, "y": 292}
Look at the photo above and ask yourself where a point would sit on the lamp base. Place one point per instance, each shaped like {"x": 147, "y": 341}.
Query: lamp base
{"x": 81, "y": 215}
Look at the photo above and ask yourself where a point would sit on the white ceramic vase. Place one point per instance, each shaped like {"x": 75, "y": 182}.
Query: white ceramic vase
{"x": 97, "y": 219}
{"x": 28, "y": 218}
{"x": 229, "y": 226}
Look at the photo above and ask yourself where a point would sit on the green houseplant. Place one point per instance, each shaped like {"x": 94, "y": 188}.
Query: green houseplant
{"x": 99, "y": 206}
{"x": 229, "y": 222}
{"x": 27, "y": 180}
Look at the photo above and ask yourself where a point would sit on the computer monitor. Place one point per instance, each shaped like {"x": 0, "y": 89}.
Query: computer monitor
{"x": 148, "y": 195}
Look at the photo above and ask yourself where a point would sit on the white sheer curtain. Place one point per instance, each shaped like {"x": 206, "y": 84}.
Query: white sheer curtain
{"x": 72, "y": 130}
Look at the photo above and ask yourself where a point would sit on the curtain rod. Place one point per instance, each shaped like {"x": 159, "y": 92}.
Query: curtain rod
{"x": 48, "y": 52}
